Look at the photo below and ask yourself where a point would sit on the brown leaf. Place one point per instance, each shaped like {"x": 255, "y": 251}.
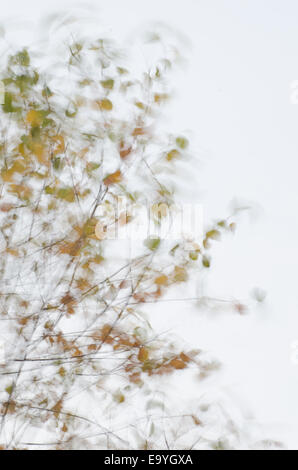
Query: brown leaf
{"x": 143, "y": 354}
{"x": 138, "y": 131}
{"x": 6, "y": 207}
{"x": 177, "y": 364}
{"x": 64, "y": 428}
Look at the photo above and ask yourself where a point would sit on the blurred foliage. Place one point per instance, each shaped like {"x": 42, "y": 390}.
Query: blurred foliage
{"x": 78, "y": 339}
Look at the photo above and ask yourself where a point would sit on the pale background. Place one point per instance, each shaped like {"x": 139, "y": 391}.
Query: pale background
{"x": 233, "y": 98}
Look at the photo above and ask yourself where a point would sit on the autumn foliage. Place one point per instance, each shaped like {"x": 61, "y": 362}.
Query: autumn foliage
{"x": 77, "y": 344}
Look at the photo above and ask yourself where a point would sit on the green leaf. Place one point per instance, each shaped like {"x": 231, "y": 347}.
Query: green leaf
{"x": 193, "y": 255}
{"x": 122, "y": 71}
{"x": 21, "y": 58}
{"x": 206, "y": 262}
{"x": 213, "y": 234}
{"x": 71, "y": 114}
{"x": 107, "y": 84}
{"x": 91, "y": 166}
{"x": 67, "y": 194}
{"x": 152, "y": 243}
{"x": 9, "y": 389}
{"x": 56, "y": 162}
{"x": 46, "y": 92}
{"x": 182, "y": 142}
{"x": 8, "y": 106}
{"x": 222, "y": 223}
{"x": 49, "y": 190}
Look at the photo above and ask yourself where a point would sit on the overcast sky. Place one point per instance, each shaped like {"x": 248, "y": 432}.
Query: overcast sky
{"x": 233, "y": 98}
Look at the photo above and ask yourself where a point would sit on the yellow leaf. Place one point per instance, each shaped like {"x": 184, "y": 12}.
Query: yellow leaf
{"x": 12, "y": 252}
{"x": 40, "y": 153}
{"x": 34, "y": 118}
{"x": 143, "y": 354}
{"x": 62, "y": 372}
{"x": 172, "y": 154}
{"x": 7, "y": 175}
{"x": 113, "y": 178}
{"x": 161, "y": 280}
{"x": 105, "y": 104}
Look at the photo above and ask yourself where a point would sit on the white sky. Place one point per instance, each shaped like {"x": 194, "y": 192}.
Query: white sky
{"x": 234, "y": 98}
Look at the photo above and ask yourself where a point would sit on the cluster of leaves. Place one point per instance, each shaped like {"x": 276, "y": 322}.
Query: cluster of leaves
{"x": 74, "y": 332}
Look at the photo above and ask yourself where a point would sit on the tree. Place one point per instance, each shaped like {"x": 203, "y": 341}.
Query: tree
{"x": 78, "y": 349}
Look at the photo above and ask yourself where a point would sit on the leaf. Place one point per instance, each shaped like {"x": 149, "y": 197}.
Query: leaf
{"x": 67, "y": 194}
{"x": 57, "y": 408}
{"x": 34, "y": 118}
{"x": 12, "y": 252}
{"x": 177, "y": 364}
{"x": 62, "y": 372}
{"x": 161, "y": 280}
{"x": 113, "y": 178}
{"x": 182, "y": 142}
{"x": 41, "y": 153}
{"x": 96, "y": 259}
{"x": 56, "y": 162}
{"x": 180, "y": 274}
{"x": 173, "y": 154}
{"x": 140, "y": 105}
{"x": 105, "y": 104}
{"x": 152, "y": 243}
{"x": 160, "y": 97}
{"x": 124, "y": 152}
{"x": 222, "y": 223}
{"x": 8, "y": 103}
{"x": 196, "y": 420}
{"x": 92, "y": 166}
{"x": 232, "y": 227}
{"x": 206, "y": 261}
{"x": 108, "y": 84}
{"x": 71, "y": 248}
{"x": 213, "y": 234}
{"x": 22, "y": 58}
{"x": 9, "y": 389}
{"x": 122, "y": 71}
{"x": 138, "y": 131}
{"x": 60, "y": 144}
{"x": 23, "y": 192}
{"x": 46, "y": 92}
{"x": 49, "y": 190}
{"x": 184, "y": 357}
{"x": 6, "y": 207}
{"x": 119, "y": 397}
{"x": 143, "y": 354}
{"x": 193, "y": 255}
